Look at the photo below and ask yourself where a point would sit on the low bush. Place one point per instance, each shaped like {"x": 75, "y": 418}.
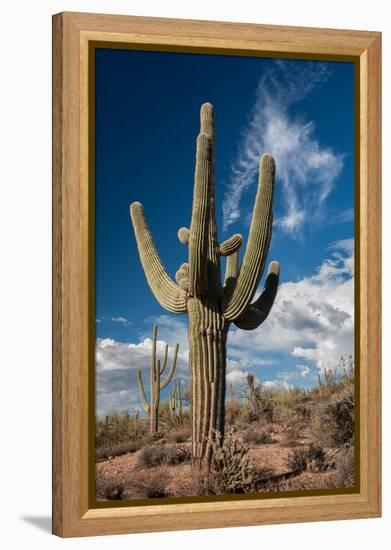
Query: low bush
{"x": 179, "y": 436}
{"x": 333, "y": 422}
{"x": 311, "y": 458}
{"x": 103, "y": 453}
{"x": 156, "y": 455}
{"x": 152, "y": 484}
{"x": 256, "y": 436}
{"x": 119, "y": 435}
{"x": 345, "y": 467}
{"x": 113, "y": 491}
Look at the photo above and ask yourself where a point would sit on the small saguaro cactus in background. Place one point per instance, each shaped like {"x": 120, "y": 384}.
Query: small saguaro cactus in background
{"x": 175, "y": 401}
{"x": 213, "y": 304}
{"x": 157, "y": 384}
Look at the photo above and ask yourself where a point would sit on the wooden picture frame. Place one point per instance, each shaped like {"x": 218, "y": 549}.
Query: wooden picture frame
{"x": 73, "y": 36}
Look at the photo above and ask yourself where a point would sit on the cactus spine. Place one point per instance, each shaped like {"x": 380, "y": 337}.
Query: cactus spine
{"x": 212, "y": 305}
{"x": 157, "y": 384}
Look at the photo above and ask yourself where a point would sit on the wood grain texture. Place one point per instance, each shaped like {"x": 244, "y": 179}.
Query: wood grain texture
{"x": 72, "y": 293}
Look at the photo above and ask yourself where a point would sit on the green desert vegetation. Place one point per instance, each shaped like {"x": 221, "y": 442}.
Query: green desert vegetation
{"x": 298, "y": 439}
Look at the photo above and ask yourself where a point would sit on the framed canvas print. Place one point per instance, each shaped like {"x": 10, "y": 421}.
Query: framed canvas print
{"x": 216, "y": 274}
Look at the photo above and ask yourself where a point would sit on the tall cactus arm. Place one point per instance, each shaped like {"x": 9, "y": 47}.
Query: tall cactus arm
{"x": 164, "y": 383}
{"x": 203, "y": 198}
{"x": 256, "y": 313}
{"x": 231, "y": 273}
{"x": 230, "y": 249}
{"x": 231, "y": 245}
{"x": 144, "y": 401}
{"x": 164, "y": 360}
{"x": 167, "y": 293}
{"x": 257, "y": 246}
{"x": 200, "y": 217}
{"x": 154, "y": 342}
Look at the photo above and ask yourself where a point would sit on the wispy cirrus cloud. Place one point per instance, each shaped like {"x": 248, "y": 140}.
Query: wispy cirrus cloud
{"x": 306, "y": 169}
{"x": 344, "y": 216}
{"x": 121, "y": 320}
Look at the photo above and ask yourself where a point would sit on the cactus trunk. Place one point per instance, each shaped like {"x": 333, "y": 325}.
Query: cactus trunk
{"x": 207, "y": 343}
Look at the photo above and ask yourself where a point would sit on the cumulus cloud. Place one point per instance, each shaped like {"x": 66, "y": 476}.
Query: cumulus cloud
{"x": 313, "y": 318}
{"x": 304, "y": 370}
{"x": 276, "y": 384}
{"x": 172, "y": 329}
{"x": 116, "y": 365}
{"x": 306, "y": 169}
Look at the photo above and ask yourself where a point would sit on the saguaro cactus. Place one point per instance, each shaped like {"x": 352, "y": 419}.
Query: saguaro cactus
{"x": 212, "y": 305}
{"x": 175, "y": 401}
{"x": 157, "y": 384}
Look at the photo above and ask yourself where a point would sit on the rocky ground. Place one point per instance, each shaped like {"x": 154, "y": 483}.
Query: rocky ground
{"x": 128, "y": 477}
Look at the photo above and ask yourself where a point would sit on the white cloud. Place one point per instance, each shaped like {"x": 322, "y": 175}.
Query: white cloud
{"x": 122, "y": 320}
{"x": 306, "y": 169}
{"x": 276, "y": 384}
{"x": 312, "y": 318}
{"x": 172, "y": 329}
{"x": 343, "y": 217}
{"x": 343, "y": 244}
{"x": 304, "y": 370}
{"x": 236, "y": 377}
{"x": 116, "y": 372}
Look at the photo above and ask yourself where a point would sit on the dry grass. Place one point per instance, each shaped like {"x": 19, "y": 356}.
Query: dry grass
{"x": 158, "y": 454}
{"x": 256, "y": 436}
{"x": 152, "y": 484}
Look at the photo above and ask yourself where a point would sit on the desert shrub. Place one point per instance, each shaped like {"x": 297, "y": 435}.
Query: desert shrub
{"x": 311, "y": 458}
{"x": 334, "y": 420}
{"x": 102, "y": 453}
{"x": 199, "y": 482}
{"x": 121, "y": 432}
{"x": 156, "y": 455}
{"x": 233, "y": 469}
{"x": 113, "y": 491}
{"x": 178, "y": 454}
{"x": 292, "y": 434}
{"x": 256, "y": 436}
{"x": 232, "y": 412}
{"x": 157, "y": 437}
{"x": 345, "y": 467}
{"x": 151, "y": 484}
{"x": 179, "y": 436}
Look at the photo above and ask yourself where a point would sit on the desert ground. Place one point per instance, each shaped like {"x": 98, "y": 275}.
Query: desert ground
{"x": 275, "y": 440}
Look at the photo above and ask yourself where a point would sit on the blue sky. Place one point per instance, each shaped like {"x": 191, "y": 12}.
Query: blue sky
{"x": 147, "y": 121}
